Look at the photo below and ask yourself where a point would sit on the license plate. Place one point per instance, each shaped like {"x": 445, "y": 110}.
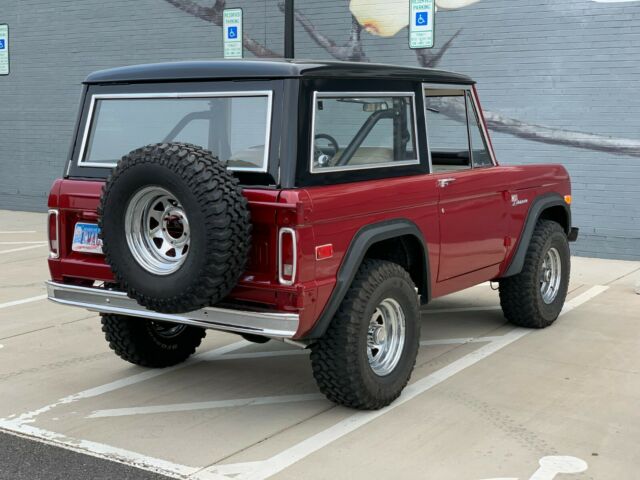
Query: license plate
{"x": 86, "y": 238}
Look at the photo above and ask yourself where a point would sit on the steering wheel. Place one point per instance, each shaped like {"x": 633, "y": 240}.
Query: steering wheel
{"x": 319, "y": 153}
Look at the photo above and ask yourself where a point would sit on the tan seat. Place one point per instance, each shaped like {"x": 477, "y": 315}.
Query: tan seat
{"x": 368, "y": 156}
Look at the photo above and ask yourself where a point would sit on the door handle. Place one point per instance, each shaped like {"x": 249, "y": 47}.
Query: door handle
{"x": 443, "y": 182}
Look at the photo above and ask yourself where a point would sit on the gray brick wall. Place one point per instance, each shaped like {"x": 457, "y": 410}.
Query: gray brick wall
{"x": 568, "y": 65}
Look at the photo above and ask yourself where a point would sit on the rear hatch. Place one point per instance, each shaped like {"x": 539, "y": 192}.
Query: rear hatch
{"x": 74, "y": 203}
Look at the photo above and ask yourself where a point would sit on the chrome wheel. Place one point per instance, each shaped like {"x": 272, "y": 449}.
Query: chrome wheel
{"x": 385, "y": 338}
{"x": 157, "y": 230}
{"x": 550, "y": 275}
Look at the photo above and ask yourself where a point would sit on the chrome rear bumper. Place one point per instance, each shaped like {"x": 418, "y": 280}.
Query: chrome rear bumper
{"x": 268, "y": 324}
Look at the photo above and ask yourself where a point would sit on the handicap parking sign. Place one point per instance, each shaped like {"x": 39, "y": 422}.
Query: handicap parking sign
{"x": 2, "y": 44}
{"x": 232, "y": 32}
{"x": 422, "y": 18}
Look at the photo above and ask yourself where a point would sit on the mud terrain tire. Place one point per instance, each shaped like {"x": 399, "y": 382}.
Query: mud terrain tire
{"x": 150, "y": 344}
{"x": 340, "y": 359}
{"x": 521, "y": 296}
{"x": 200, "y": 200}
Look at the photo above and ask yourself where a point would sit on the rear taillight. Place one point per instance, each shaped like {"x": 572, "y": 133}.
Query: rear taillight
{"x": 53, "y": 232}
{"x": 287, "y": 256}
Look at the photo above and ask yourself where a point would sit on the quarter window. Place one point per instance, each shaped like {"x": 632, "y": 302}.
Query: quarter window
{"x": 363, "y": 131}
{"x": 447, "y": 130}
{"x": 479, "y": 151}
{"x": 455, "y": 137}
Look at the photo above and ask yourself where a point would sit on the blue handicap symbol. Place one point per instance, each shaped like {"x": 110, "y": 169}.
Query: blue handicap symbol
{"x": 2, "y": 44}
{"x": 232, "y": 32}
{"x": 422, "y": 18}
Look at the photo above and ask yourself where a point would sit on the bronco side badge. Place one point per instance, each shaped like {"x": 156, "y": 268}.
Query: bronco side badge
{"x": 515, "y": 201}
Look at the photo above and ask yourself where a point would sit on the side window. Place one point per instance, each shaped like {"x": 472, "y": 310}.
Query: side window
{"x": 479, "y": 150}
{"x": 448, "y": 136}
{"x": 362, "y": 131}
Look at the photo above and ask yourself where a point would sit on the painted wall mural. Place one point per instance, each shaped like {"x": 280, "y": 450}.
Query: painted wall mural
{"x": 386, "y": 19}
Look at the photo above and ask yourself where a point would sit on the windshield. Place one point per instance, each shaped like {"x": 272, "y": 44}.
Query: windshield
{"x": 234, "y": 128}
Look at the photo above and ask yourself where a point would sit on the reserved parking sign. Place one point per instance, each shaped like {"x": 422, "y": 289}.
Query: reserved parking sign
{"x": 421, "y": 24}
{"x": 232, "y": 32}
{"x": 4, "y": 49}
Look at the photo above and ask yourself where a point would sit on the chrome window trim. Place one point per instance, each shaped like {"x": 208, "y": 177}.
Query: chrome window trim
{"x": 294, "y": 269}
{"x": 317, "y": 94}
{"x": 226, "y": 94}
{"x": 470, "y": 92}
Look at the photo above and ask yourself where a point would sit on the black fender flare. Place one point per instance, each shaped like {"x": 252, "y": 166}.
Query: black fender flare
{"x": 362, "y": 240}
{"x": 539, "y": 205}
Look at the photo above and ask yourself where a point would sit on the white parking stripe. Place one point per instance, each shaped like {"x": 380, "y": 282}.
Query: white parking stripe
{"x": 240, "y": 402}
{"x": 12, "y": 250}
{"x": 272, "y": 353}
{"x": 303, "y": 449}
{"x": 462, "y": 309}
{"x": 458, "y": 341}
{"x": 39, "y": 242}
{"x": 17, "y": 423}
{"x": 188, "y": 407}
{"x": 279, "y": 462}
{"x": 285, "y": 353}
{"x": 37, "y": 298}
{"x": 16, "y": 232}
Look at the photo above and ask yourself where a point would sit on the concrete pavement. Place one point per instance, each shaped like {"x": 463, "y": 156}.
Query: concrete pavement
{"x": 486, "y": 400}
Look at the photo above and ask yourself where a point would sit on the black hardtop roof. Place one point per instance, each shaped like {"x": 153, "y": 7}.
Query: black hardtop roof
{"x": 267, "y": 69}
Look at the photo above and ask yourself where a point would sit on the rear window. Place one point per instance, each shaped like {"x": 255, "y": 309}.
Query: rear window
{"x": 235, "y": 127}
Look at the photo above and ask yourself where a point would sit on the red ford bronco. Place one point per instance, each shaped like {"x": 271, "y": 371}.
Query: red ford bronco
{"x": 319, "y": 203}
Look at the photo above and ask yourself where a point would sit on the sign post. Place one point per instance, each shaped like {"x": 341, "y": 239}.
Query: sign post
{"x": 421, "y": 24}
{"x": 4, "y": 49}
{"x": 232, "y": 32}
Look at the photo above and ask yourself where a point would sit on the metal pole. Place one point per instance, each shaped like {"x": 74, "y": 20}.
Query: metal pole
{"x": 289, "y": 42}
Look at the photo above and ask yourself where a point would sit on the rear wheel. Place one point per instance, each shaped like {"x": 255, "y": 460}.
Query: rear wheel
{"x": 366, "y": 357}
{"x": 534, "y": 298}
{"x": 148, "y": 343}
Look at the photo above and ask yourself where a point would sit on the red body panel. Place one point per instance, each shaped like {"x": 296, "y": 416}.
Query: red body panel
{"x": 470, "y": 228}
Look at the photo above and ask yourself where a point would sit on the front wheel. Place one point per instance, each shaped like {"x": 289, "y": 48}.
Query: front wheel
{"x": 534, "y": 298}
{"x": 365, "y": 358}
{"x": 148, "y": 343}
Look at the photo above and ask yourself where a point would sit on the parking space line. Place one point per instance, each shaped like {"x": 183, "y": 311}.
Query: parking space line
{"x": 39, "y": 242}
{"x": 458, "y": 341}
{"x": 272, "y": 353}
{"x": 303, "y": 449}
{"x": 22, "y": 301}
{"x": 18, "y": 422}
{"x": 21, "y": 424}
{"x": 285, "y": 353}
{"x": 12, "y": 250}
{"x": 188, "y": 407}
{"x": 270, "y": 400}
{"x": 16, "y": 232}
{"x": 462, "y": 309}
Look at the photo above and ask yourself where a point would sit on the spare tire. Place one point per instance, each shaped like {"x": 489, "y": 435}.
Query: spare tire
{"x": 175, "y": 227}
